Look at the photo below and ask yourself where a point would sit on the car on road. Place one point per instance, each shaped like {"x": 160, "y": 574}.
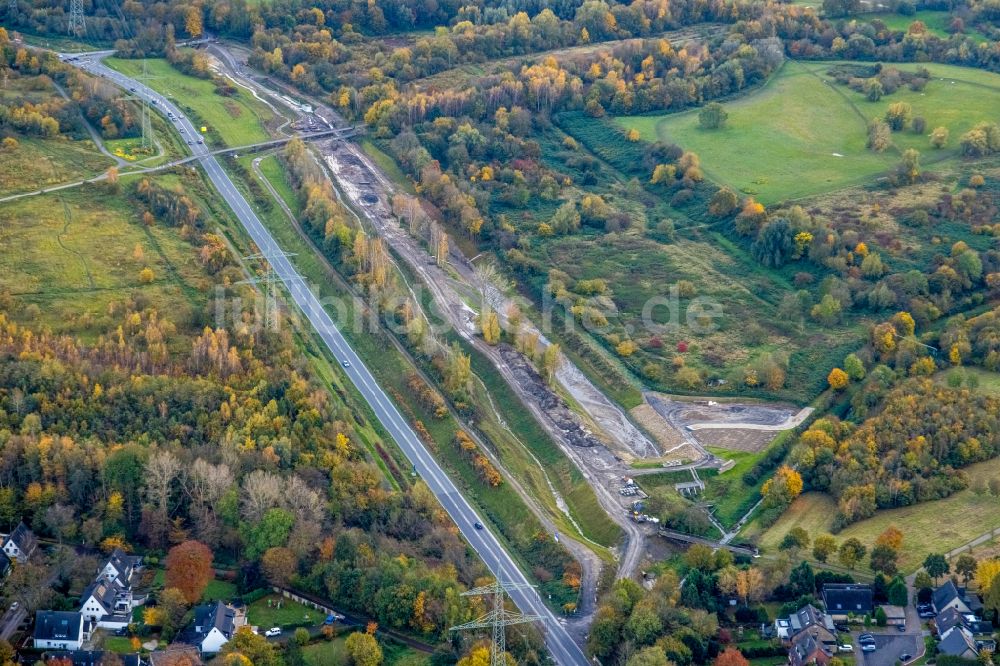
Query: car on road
{"x": 14, "y": 605}
{"x": 845, "y": 647}
{"x": 333, "y": 617}
{"x": 346, "y": 364}
{"x": 200, "y": 141}
{"x": 868, "y": 647}
{"x": 478, "y": 525}
{"x": 905, "y": 657}
{"x": 132, "y": 89}
{"x": 272, "y": 632}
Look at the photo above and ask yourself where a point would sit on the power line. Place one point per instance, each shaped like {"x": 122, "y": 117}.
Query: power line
{"x": 498, "y": 618}
{"x": 271, "y": 281}
{"x": 77, "y": 25}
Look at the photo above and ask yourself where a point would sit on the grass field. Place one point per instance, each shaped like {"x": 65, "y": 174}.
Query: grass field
{"x": 983, "y": 381}
{"x": 929, "y": 527}
{"x": 37, "y": 163}
{"x": 71, "y": 253}
{"x": 937, "y": 22}
{"x": 238, "y": 120}
{"x": 802, "y": 134}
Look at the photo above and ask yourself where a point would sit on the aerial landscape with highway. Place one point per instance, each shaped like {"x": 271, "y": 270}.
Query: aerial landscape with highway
{"x": 397, "y": 332}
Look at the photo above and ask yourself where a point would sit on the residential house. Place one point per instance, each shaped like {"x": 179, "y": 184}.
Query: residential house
{"x": 214, "y": 625}
{"x": 5, "y": 564}
{"x": 808, "y": 649}
{"x": 958, "y": 642}
{"x": 950, "y": 595}
{"x": 107, "y": 605}
{"x": 846, "y": 600}
{"x": 88, "y": 658}
{"x": 60, "y": 630}
{"x": 980, "y": 631}
{"x": 807, "y": 618}
{"x": 120, "y": 568}
{"x": 20, "y": 544}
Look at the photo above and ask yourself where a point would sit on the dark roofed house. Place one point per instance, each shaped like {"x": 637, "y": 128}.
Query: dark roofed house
{"x": 848, "y": 599}
{"x": 20, "y": 544}
{"x": 950, "y": 596}
{"x": 60, "y": 630}
{"x": 4, "y": 564}
{"x": 808, "y": 649}
{"x": 958, "y": 642}
{"x": 214, "y": 625}
{"x": 120, "y": 567}
{"x": 807, "y": 618}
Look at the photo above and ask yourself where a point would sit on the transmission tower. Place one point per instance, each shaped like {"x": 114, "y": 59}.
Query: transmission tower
{"x": 144, "y": 111}
{"x": 77, "y": 26}
{"x": 270, "y": 280}
{"x": 498, "y": 618}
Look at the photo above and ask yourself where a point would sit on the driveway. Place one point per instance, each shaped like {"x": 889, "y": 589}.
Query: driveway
{"x": 889, "y": 647}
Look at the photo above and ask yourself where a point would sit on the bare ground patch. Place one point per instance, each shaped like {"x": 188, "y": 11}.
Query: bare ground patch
{"x": 733, "y": 439}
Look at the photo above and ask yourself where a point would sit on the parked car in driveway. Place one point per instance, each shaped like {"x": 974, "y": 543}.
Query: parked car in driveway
{"x": 845, "y": 647}
{"x": 905, "y": 657}
{"x": 272, "y": 632}
{"x": 901, "y": 628}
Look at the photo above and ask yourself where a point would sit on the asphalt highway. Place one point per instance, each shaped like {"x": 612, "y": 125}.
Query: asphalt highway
{"x": 561, "y": 646}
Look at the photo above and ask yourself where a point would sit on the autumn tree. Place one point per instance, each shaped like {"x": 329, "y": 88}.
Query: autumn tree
{"x": 490, "y": 326}
{"x": 851, "y": 552}
{"x": 279, "y": 565}
{"x": 824, "y": 545}
{"x": 364, "y": 649}
{"x": 173, "y": 605}
{"x": 189, "y": 569}
{"x": 987, "y": 572}
{"x": 782, "y": 488}
{"x": 731, "y": 657}
{"x": 879, "y": 136}
{"x": 939, "y": 137}
{"x": 193, "y": 22}
{"x": 838, "y": 379}
{"x": 884, "y": 559}
{"x": 965, "y": 566}
{"x": 891, "y": 537}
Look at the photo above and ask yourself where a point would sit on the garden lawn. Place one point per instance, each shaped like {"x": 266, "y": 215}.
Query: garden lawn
{"x": 928, "y": 527}
{"x": 239, "y": 120}
{"x": 290, "y": 613}
{"x": 327, "y": 653}
{"x": 802, "y": 134}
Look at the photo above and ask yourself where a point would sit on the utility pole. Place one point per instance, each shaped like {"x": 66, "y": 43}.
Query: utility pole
{"x": 271, "y": 281}
{"x": 77, "y": 26}
{"x": 498, "y": 618}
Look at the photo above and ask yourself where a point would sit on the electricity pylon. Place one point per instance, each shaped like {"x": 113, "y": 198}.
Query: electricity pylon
{"x": 147, "y": 129}
{"x": 498, "y": 618}
{"x": 271, "y": 281}
{"x": 76, "y": 26}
